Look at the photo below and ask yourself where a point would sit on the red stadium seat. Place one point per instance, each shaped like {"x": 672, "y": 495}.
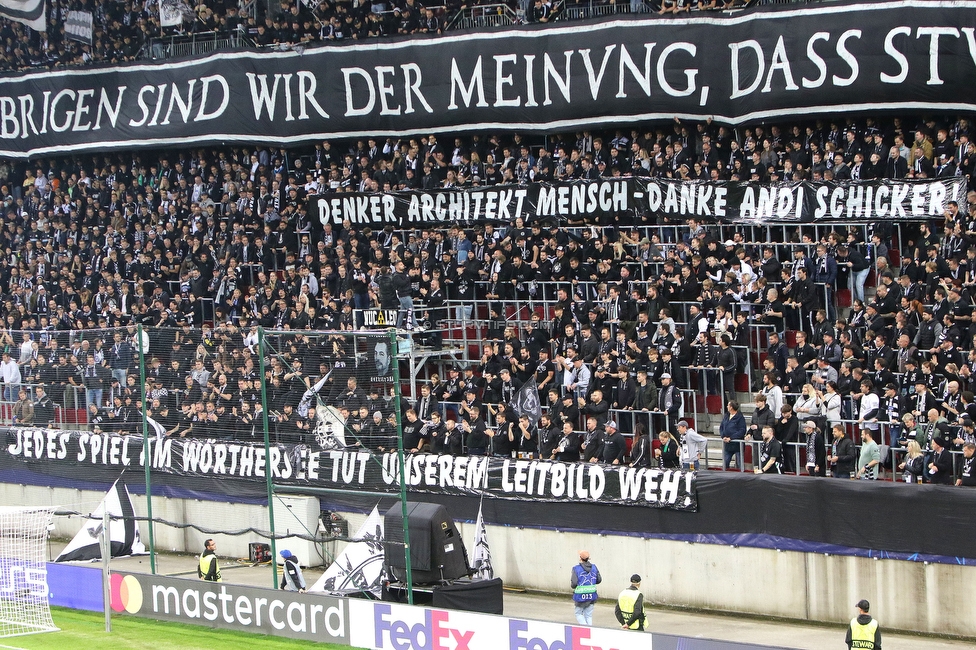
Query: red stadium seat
{"x": 713, "y": 404}
{"x": 844, "y": 298}
{"x": 742, "y": 383}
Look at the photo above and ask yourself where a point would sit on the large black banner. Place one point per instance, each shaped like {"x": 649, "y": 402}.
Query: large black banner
{"x": 86, "y": 456}
{"x": 643, "y": 198}
{"x": 762, "y": 63}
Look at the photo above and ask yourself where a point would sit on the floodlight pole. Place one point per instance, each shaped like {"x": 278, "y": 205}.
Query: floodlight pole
{"x": 267, "y": 458}
{"x": 401, "y": 464}
{"x": 146, "y": 451}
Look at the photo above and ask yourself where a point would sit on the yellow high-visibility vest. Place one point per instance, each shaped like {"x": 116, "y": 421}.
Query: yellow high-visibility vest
{"x": 205, "y": 561}
{"x": 626, "y": 600}
{"x": 862, "y": 636}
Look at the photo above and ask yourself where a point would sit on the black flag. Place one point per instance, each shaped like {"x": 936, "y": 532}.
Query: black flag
{"x": 526, "y": 401}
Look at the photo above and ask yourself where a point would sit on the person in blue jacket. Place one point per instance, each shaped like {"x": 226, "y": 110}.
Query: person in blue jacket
{"x": 584, "y": 581}
{"x": 732, "y": 430}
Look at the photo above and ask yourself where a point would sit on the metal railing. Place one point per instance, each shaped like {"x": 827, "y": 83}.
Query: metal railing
{"x": 484, "y": 17}
{"x": 186, "y": 45}
{"x": 585, "y": 10}
{"x": 68, "y": 404}
{"x": 748, "y": 450}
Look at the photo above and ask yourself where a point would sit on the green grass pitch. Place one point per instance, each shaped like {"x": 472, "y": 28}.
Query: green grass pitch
{"x": 87, "y": 630}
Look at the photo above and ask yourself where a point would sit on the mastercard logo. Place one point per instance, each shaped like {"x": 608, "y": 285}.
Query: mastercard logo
{"x": 126, "y": 594}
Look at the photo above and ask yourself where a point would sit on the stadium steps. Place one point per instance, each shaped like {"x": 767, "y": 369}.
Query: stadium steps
{"x": 715, "y": 442}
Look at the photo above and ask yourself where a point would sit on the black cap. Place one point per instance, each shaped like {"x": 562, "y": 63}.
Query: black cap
{"x": 863, "y": 605}
{"x": 635, "y": 578}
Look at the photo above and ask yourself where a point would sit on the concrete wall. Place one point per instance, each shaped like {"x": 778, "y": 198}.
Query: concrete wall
{"x": 912, "y": 596}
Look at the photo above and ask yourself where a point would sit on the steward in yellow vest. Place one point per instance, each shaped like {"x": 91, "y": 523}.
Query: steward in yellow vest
{"x": 863, "y": 631}
{"x": 630, "y": 606}
{"x": 209, "y": 570}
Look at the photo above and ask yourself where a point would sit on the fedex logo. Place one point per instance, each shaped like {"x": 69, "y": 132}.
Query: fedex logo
{"x": 575, "y": 638}
{"x": 433, "y": 633}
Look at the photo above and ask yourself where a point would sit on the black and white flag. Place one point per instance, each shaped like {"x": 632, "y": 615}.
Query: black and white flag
{"x": 482, "y": 552}
{"x": 526, "y": 401}
{"x": 173, "y": 12}
{"x": 359, "y": 568}
{"x": 78, "y": 26}
{"x": 123, "y": 531}
{"x": 32, "y": 13}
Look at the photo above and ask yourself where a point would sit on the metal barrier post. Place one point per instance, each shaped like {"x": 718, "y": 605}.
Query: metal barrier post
{"x": 408, "y": 564}
{"x": 142, "y": 341}
{"x": 267, "y": 454}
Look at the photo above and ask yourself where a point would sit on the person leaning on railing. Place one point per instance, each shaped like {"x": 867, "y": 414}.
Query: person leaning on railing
{"x": 23, "y": 408}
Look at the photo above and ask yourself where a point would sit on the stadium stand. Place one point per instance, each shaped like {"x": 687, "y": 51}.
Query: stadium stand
{"x": 127, "y": 31}
{"x": 629, "y": 326}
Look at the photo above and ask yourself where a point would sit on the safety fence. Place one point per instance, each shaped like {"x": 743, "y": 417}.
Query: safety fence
{"x": 485, "y": 16}
{"x": 191, "y": 45}
{"x": 714, "y": 453}
{"x": 263, "y": 390}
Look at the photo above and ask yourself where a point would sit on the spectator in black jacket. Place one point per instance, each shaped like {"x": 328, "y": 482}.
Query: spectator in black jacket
{"x": 614, "y": 445}
{"x": 476, "y": 438}
{"x": 842, "y": 454}
{"x": 786, "y": 428}
{"x": 815, "y": 450}
{"x": 527, "y": 442}
{"x": 43, "y": 407}
{"x": 591, "y": 449}
{"x": 504, "y": 437}
{"x": 626, "y": 390}
{"x": 939, "y": 469}
{"x": 761, "y": 417}
{"x": 668, "y": 454}
{"x": 726, "y": 362}
{"x": 770, "y": 453}
{"x": 596, "y": 408}
{"x": 967, "y": 477}
{"x": 548, "y": 435}
{"x": 568, "y": 447}
{"x": 641, "y": 450}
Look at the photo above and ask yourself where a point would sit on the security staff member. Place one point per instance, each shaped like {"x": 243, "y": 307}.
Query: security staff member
{"x": 630, "y": 606}
{"x": 863, "y": 631}
{"x": 209, "y": 570}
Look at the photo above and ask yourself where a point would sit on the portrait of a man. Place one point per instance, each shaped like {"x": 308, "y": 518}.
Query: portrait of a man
{"x": 381, "y": 358}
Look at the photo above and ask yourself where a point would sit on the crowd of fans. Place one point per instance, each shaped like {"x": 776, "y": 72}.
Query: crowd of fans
{"x": 157, "y": 239}
{"x": 122, "y": 29}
